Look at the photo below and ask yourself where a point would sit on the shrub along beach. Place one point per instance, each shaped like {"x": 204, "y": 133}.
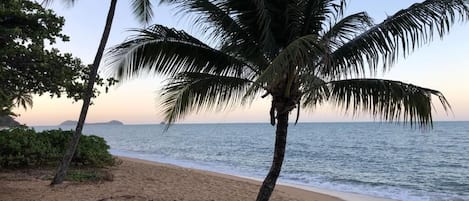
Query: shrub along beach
{"x": 25, "y": 148}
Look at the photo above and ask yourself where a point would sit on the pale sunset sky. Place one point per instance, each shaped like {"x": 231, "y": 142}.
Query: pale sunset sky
{"x": 442, "y": 65}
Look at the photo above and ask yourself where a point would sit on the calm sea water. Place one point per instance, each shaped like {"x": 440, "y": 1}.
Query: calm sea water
{"x": 378, "y": 159}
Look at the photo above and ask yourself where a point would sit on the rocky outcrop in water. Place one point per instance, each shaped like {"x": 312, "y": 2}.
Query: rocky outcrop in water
{"x": 74, "y": 123}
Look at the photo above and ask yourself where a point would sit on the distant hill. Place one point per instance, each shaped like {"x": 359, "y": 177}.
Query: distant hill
{"x": 73, "y": 123}
{"x": 7, "y": 121}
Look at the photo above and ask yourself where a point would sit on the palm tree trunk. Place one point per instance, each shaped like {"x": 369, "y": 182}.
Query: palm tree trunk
{"x": 63, "y": 167}
{"x": 279, "y": 152}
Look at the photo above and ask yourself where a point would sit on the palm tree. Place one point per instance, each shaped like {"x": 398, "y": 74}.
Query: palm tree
{"x": 18, "y": 99}
{"x": 143, "y": 11}
{"x": 301, "y": 53}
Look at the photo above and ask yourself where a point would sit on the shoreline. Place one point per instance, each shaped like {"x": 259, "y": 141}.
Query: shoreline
{"x": 304, "y": 192}
{"x": 284, "y": 189}
{"x": 142, "y": 180}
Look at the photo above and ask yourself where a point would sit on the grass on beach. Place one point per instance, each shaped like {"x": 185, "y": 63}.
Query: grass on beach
{"x": 76, "y": 174}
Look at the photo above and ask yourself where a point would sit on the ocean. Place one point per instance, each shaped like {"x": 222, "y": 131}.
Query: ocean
{"x": 379, "y": 159}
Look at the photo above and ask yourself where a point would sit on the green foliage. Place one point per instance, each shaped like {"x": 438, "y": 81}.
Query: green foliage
{"x": 92, "y": 175}
{"x": 82, "y": 176}
{"x": 92, "y": 151}
{"x": 23, "y": 147}
{"x": 26, "y": 66}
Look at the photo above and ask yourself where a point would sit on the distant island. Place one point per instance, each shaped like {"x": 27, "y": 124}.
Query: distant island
{"x": 8, "y": 121}
{"x": 73, "y": 123}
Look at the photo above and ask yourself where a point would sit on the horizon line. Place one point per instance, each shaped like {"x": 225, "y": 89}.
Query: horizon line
{"x": 265, "y": 122}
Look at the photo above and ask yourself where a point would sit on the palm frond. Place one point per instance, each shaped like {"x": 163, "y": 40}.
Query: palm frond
{"x": 315, "y": 91}
{"x": 142, "y": 10}
{"x": 68, "y": 3}
{"x": 294, "y": 58}
{"x": 297, "y": 54}
{"x": 233, "y": 20}
{"x": 213, "y": 18}
{"x": 259, "y": 18}
{"x": 165, "y": 51}
{"x": 346, "y": 29}
{"x": 194, "y": 91}
{"x": 390, "y": 100}
{"x": 218, "y": 22}
{"x": 246, "y": 51}
{"x": 294, "y": 16}
{"x": 264, "y": 26}
{"x": 400, "y": 33}
{"x": 317, "y": 12}
{"x": 23, "y": 100}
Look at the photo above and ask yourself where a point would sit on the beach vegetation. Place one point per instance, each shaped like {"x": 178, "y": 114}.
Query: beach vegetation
{"x": 299, "y": 53}
{"x": 92, "y": 175}
{"x": 24, "y": 147}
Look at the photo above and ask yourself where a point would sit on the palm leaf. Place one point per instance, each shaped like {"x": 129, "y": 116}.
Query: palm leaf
{"x": 400, "y": 33}
{"x": 220, "y": 23}
{"x": 315, "y": 91}
{"x": 257, "y": 19}
{"x": 297, "y": 54}
{"x": 194, "y": 91}
{"x": 23, "y": 100}
{"x": 66, "y": 2}
{"x": 346, "y": 29}
{"x": 232, "y": 19}
{"x": 214, "y": 19}
{"x": 264, "y": 23}
{"x": 390, "y": 100}
{"x": 142, "y": 9}
{"x": 316, "y": 12}
{"x": 165, "y": 51}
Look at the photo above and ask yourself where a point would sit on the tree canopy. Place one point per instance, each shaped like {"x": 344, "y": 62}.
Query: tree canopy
{"x": 304, "y": 52}
{"x": 27, "y": 63}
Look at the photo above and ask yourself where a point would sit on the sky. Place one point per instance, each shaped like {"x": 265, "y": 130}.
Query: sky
{"x": 442, "y": 65}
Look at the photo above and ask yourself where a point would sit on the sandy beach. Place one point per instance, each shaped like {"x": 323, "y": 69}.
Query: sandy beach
{"x": 143, "y": 180}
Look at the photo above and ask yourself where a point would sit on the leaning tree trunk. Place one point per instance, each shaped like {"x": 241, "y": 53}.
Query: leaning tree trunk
{"x": 63, "y": 167}
{"x": 279, "y": 152}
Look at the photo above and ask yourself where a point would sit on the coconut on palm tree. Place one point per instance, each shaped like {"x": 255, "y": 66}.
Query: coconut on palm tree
{"x": 143, "y": 11}
{"x": 301, "y": 53}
